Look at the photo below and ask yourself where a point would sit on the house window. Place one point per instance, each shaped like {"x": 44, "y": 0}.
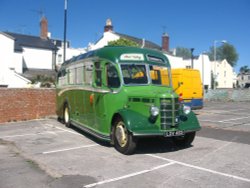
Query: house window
{"x": 225, "y": 73}
{"x": 59, "y": 58}
{"x": 248, "y": 77}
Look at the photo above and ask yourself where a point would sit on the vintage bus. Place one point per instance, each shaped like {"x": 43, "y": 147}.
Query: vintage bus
{"x": 117, "y": 95}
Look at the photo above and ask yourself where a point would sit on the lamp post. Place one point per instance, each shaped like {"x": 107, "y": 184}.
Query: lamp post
{"x": 215, "y": 74}
{"x": 65, "y": 29}
{"x": 192, "y": 58}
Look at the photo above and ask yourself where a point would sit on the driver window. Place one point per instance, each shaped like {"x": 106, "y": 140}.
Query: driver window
{"x": 113, "y": 80}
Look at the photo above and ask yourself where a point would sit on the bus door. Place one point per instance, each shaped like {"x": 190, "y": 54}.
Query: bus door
{"x": 106, "y": 80}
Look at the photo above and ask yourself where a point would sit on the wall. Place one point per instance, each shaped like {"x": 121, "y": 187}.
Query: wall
{"x": 26, "y": 104}
{"x": 6, "y": 54}
{"x": 37, "y": 58}
{"x": 239, "y": 95}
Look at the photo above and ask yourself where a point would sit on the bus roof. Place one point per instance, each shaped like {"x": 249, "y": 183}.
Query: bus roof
{"x": 123, "y": 54}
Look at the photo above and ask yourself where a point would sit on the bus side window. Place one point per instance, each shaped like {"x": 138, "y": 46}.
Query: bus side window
{"x": 87, "y": 73}
{"x": 113, "y": 80}
{"x": 98, "y": 74}
{"x": 62, "y": 78}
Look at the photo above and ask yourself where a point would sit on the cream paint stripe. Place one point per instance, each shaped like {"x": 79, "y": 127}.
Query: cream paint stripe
{"x": 200, "y": 168}
{"x": 128, "y": 175}
{"x": 69, "y": 149}
{"x": 33, "y": 134}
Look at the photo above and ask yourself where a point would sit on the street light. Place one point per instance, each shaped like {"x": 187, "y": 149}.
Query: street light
{"x": 192, "y": 57}
{"x": 215, "y": 74}
{"x": 65, "y": 29}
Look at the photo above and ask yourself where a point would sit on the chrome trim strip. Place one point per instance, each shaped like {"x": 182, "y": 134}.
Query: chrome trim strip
{"x": 90, "y": 131}
{"x": 85, "y": 88}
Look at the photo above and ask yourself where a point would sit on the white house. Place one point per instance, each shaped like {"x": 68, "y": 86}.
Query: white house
{"x": 110, "y": 35}
{"x": 244, "y": 79}
{"x": 24, "y": 57}
{"x": 223, "y": 74}
{"x": 201, "y": 63}
{"x": 10, "y": 64}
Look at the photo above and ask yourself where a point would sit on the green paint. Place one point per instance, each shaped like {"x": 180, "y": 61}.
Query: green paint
{"x": 116, "y": 82}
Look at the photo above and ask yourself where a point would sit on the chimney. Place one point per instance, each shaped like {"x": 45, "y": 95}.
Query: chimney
{"x": 165, "y": 42}
{"x": 108, "y": 26}
{"x": 44, "y": 28}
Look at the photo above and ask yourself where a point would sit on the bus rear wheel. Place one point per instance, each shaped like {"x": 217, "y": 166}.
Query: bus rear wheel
{"x": 184, "y": 141}
{"x": 123, "y": 139}
{"x": 66, "y": 116}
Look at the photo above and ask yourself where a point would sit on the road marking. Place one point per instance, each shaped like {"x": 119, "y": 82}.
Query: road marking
{"x": 69, "y": 149}
{"x": 63, "y": 129}
{"x": 200, "y": 168}
{"x": 215, "y": 121}
{"x": 128, "y": 175}
{"x": 234, "y": 119}
{"x": 32, "y": 134}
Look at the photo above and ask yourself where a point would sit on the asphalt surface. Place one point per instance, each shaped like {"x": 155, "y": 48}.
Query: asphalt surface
{"x": 44, "y": 153}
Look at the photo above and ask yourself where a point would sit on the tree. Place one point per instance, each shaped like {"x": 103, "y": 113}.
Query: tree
{"x": 183, "y": 52}
{"x": 244, "y": 69}
{"x": 122, "y": 42}
{"x": 225, "y": 51}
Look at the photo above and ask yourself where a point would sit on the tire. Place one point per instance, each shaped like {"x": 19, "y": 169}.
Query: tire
{"x": 184, "y": 141}
{"x": 66, "y": 116}
{"x": 124, "y": 141}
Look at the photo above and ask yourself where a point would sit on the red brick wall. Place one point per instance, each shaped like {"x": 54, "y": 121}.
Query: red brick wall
{"x": 26, "y": 104}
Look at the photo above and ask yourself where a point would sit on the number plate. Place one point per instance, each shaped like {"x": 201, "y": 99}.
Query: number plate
{"x": 173, "y": 133}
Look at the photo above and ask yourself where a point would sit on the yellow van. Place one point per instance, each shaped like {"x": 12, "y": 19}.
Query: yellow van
{"x": 187, "y": 84}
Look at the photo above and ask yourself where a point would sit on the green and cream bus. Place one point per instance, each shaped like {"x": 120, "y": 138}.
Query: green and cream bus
{"x": 117, "y": 95}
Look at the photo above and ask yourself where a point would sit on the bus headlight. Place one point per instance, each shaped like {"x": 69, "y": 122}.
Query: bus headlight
{"x": 186, "y": 109}
{"x": 154, "y": 111}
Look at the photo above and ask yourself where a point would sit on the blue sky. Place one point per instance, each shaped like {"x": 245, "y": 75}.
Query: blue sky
{"x": 189, "y": 23}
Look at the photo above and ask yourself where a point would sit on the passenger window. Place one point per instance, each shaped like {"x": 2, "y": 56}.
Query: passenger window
{"x": 113, "y": 80}
{"x": 88, "y": 69}
{"x": 98, "y": 74}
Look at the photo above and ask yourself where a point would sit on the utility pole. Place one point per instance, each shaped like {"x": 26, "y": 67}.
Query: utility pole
{"x": 192, "y": 58}
{"x": 65, "y": 29}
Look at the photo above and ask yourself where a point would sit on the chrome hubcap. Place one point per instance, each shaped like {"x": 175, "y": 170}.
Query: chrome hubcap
{"x": 66, "y": 115}
{"x": 121, "y": 134}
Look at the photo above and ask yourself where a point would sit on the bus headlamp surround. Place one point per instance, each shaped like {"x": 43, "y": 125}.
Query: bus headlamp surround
{"x": 186, "y": 109}
{"x": 154, "y": 111}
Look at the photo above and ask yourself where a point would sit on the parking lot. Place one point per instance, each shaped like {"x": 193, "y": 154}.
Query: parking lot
{"x": 44, "y": 153}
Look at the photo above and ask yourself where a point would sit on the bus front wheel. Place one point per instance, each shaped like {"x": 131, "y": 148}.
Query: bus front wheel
{"x": 66, "y": 116}
{"x": 123, "y": 139}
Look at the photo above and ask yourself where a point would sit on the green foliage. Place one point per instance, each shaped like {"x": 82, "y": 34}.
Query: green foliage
{"x": 123, "y": 42}
{"x": 183, "y": 52}
{"x": 225, "y": 51}
{"x": 244, "y": 69}
{"x": 44, "y": 80}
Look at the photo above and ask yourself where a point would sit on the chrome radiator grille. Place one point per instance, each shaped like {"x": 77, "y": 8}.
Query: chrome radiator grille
{"x": 169, "y": 112}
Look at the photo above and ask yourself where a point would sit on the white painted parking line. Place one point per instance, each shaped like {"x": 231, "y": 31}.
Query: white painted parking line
{"x": 200, "y": 168}
{"x": 234, "y": 119}
{"x": 204, "y": 120}
{"x": 128, "y": 175}
{"x": 63, "y": 129}
{"x": 31, "y": 134}
{"x": 69, "y": 149}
